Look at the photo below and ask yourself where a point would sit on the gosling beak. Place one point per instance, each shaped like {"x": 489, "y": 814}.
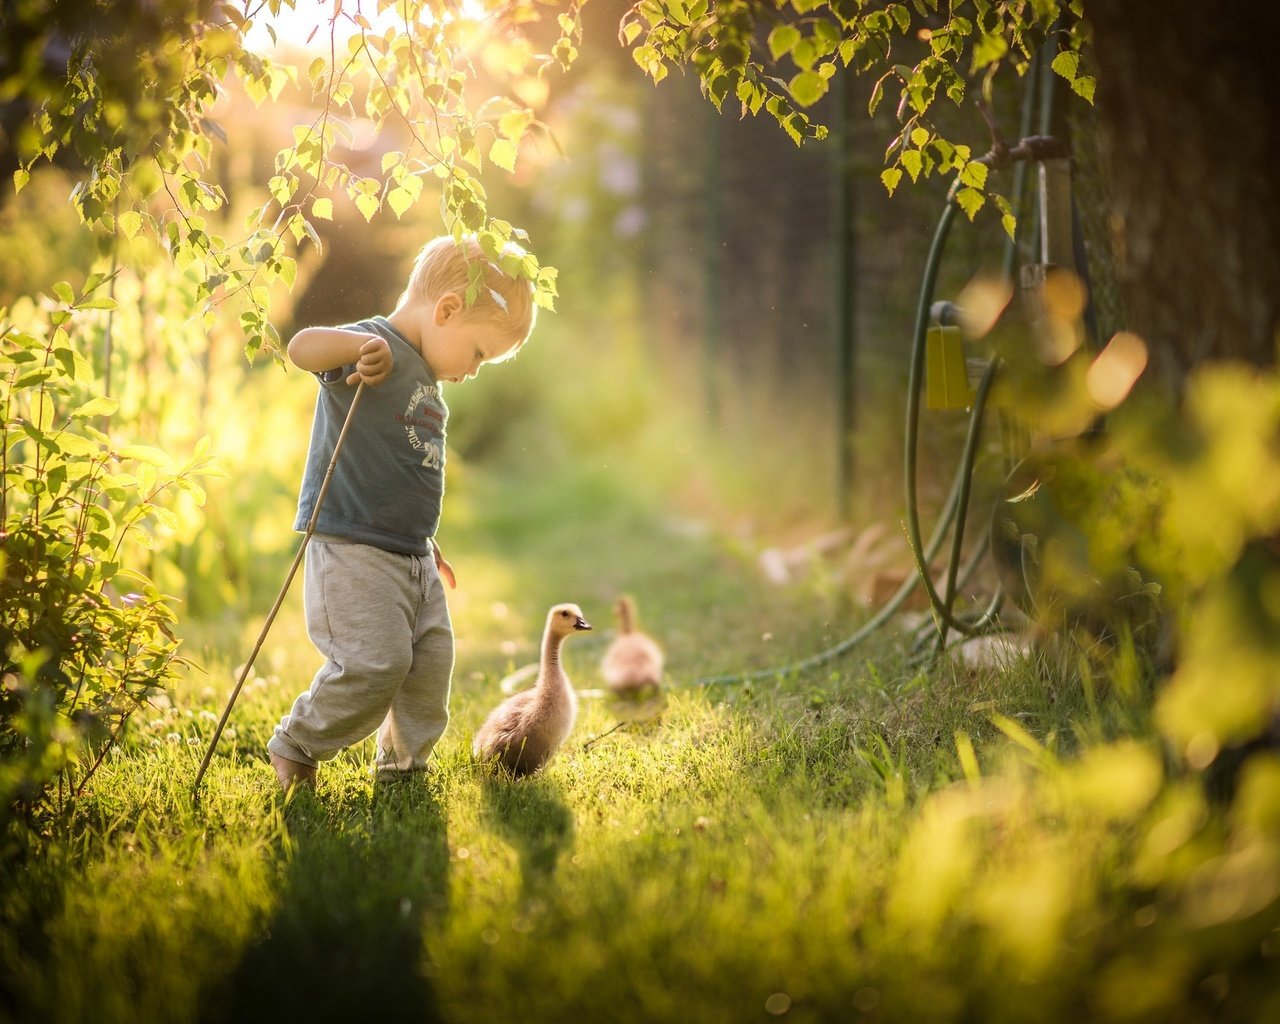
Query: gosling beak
{"x": 581, "y": 623}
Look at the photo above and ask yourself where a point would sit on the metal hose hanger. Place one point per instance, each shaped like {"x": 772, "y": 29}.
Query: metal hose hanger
{"x": 955, "y": 509}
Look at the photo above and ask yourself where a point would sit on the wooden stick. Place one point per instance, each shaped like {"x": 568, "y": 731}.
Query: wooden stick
{"x": 271, "y": 615}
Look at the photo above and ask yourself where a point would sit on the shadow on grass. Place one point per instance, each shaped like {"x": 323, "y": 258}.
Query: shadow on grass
{"x": 529, "y": 815}
{"x": 363, "y": 876}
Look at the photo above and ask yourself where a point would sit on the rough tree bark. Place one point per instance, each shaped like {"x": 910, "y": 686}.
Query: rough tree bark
{"x": 1189, "y": 117}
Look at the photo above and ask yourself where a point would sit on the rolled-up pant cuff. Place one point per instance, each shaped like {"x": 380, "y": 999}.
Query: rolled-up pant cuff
{"x": 282, "y": 746}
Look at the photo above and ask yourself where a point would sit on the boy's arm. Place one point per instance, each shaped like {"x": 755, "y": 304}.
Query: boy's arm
{"x": 316, "y": 349}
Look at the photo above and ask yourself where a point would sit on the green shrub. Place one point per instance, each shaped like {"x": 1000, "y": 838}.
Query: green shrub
{"x": 84, "y": 638}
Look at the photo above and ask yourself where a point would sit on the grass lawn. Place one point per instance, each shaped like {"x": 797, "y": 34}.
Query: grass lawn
{"x": 858, "y": 841}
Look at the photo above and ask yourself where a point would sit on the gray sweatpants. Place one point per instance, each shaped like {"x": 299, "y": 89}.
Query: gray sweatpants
{"x": 382, "y": 623}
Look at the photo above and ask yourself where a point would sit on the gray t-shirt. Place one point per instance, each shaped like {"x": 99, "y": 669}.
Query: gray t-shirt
{"x": 388, "y": 481}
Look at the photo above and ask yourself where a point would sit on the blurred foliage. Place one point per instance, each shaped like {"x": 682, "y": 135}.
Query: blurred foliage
{"x": 85, "y": 638}
{"x": 1135, "y": 514}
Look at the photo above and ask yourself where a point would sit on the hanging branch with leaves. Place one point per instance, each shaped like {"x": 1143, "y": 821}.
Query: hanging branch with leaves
{"x": 780, "y": 57}
{"x": 413, "y": 68}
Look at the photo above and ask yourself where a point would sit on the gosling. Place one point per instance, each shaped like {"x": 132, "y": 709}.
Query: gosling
{"x": 523, "y": 731}
{"x": 632, "y": 666}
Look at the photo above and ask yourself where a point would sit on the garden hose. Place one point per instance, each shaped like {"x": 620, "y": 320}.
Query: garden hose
{"x": 962, "y": 506}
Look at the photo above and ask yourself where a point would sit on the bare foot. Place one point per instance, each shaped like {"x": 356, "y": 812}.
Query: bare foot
{"x": 293, "y": 773}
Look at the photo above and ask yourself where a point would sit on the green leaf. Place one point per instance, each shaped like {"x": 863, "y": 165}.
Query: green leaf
{"x": 20, "y": 178}
{"x": 29, "y": 380}
{"x": 97, "y": 302}
{"x": 891, "y": 176}
{"x": 974, "y": 174}
{"x": 913, "y": 161}
{"x": 322, "y": 208}
{"x": 513, "y": 124}
{"x": 988, "y": 49}
{"x": 100, "y": 406}
{"x": 804, "y": 53}
{"x": 646, "y": 57}
{"x": 1007, "y": 220}
{"x": 367, "y": 205}
{"x": 503, "y": 153}
{"x": 164, "y": 518}
{"x": 281, "y": 188}
{"x": 81, "y": 369}
{"x": 66, "y": 361}
{"x": 807, "y": 88}
{"x": 78, "y": 447}
{"x": 782, "y": 40}
{"x": 970, "y": 200}
{"x": 130, "y": 222}
{"x": 1067, "y": 63}
{"x": 877, "y": 94}
{"x": 399, "y": 200}
{"x": 42, "y": 410}
{"x": 145, "y": 453}
{"x": 1083, "y": 87}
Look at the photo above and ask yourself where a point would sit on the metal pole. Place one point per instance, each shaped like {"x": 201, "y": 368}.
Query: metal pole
{"x": 845, "y": 288}
{"x": 712, "y": 271}
{"x": 1057, "y": 245}
{"x": 271, "y": 615}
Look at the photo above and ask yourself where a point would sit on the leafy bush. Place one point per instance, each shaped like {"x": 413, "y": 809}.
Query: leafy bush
{"x": 84, "y": 639}
{"x": 1175, "y": 502}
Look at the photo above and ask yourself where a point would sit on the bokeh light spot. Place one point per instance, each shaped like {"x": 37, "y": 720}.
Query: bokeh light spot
{"x": 1116, "y": 370}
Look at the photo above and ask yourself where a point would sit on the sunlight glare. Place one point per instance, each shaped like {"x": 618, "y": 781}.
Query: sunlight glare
{"x": 1064, "y": 295}
{"x": 1116, "y": 370}
{"x": 306, "y": 25}
{"x": 982, "y": 302}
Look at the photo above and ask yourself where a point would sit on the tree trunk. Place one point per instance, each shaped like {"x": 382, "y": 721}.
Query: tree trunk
{"x": 1189, "y": 121}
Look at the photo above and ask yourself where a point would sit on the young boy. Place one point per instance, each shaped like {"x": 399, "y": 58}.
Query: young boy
{"x": 374, "y": 601}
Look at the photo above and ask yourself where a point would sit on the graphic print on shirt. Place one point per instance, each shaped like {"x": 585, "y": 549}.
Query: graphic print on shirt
{"x": 424, "y": 425}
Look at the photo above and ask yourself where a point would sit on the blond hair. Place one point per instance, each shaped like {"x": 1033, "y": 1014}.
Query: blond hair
{"x": 445, "y": 266}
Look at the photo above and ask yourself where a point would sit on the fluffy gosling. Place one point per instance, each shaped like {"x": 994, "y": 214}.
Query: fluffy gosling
{"x": 523, "y": 731}
{"x": 632, "y": 666}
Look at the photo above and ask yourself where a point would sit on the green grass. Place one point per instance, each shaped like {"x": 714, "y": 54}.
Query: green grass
{"x": 815, "y": 847}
